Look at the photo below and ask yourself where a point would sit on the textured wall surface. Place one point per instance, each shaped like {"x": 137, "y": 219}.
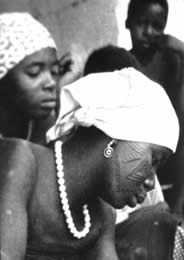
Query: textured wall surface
{"x": 80, "y": 25}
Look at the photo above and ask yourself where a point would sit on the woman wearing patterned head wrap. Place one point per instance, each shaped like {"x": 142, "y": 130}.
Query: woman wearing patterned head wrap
{"x": 28, "y": 76}
{"x": 52, "y": 199}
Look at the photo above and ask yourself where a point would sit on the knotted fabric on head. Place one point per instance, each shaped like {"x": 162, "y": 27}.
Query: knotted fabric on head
{"x": 20, "y": 35}
{"x": 124, "y": 104}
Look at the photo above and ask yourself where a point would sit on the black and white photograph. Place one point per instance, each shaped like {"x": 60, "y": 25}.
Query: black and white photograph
{"x": 92, "y": 130}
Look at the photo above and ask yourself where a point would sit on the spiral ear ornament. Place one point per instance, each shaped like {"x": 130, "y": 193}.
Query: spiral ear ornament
{"x": 108, "y": 151}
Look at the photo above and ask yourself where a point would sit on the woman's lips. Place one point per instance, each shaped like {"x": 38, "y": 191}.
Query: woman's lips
{"x": 134, "y": 200}
{"x": 50, "y": 103}
{"x": 140, "y": 199}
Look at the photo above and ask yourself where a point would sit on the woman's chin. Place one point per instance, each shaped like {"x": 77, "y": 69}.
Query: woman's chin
{"x": 132, "y": 202}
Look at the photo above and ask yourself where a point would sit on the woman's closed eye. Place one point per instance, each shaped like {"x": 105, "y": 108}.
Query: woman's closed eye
{"x": 34, "y": 71}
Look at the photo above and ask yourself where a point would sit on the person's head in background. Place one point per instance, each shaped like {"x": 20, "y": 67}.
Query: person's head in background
{"x": 28, "y": 70}
{"x": 146, "y": 21}
{"x": 109, "y": 58}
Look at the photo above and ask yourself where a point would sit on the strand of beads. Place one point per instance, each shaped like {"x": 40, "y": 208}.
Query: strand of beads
{"x": 64, "y": 198}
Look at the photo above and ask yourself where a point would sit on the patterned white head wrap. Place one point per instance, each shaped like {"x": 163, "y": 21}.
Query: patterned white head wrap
{"x": 20, "y": 35}
{"x": 124, "y": 104}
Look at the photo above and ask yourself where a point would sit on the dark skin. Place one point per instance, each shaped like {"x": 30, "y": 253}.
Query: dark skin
{"x": 162, "y": 58}
{"x": 146, "y": 30}
{"x": 29, "y": 92}
{"x": 30, "y": 208}
{"x": 150, "y": 45}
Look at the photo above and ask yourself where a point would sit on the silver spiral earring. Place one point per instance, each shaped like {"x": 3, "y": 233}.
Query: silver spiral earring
{"x": 108, "y": 151}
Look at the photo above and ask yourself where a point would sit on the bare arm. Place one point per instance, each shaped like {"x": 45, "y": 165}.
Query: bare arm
{"x": 16, "y": 179}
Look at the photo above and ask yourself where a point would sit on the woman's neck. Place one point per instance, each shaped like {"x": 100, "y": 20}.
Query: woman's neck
{"x": 14, "y": 125}
{"x": 84, "y": 148}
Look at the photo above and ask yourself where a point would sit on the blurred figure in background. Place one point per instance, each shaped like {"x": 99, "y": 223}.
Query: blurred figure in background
{"x": 109, "y": 58}
{"x": 71, "y": 66}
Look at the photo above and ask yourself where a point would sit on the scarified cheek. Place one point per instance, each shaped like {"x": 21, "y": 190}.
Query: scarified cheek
{"x": 132, "y": 166}
{"x": 124, "y": 183}
{"x": 133, "y": 176}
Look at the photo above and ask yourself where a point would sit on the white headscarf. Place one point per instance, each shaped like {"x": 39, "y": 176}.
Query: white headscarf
{"x": 124, "y": 104}
{"x": 20, "y": 35}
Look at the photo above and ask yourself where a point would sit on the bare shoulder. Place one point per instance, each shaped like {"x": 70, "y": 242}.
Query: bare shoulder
{"x": 15, "y": 151}
{"x": 18, "y": 166}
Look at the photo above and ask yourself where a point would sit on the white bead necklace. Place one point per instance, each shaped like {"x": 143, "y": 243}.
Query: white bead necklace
{"x": 64, "y": 198}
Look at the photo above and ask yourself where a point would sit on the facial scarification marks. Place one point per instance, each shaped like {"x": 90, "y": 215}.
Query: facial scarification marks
{"x": 133, "y": 151}
{"x": 137, "y": 177}
{"x": 137, "y": 174}
{"x": 131, "y": 166}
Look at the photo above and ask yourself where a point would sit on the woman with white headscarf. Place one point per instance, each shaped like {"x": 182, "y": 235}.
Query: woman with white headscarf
{"x": 57, "y": 202}
{"x": 28, "y": 77}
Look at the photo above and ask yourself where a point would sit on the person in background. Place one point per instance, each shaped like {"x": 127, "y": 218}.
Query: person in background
{"x": 109, "y": 58}
{"x": 70, "y": 67}
{"x": 58, "y": 201}
{"x": 161, "y": 58}
{"x": 28, "y": 77}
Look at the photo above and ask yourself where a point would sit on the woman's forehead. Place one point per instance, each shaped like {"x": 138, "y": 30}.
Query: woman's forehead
{"x": 46, "y": 55}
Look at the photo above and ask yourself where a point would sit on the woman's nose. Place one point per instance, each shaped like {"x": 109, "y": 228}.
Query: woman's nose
{"x": 149, "y": 183}
{"x": 50, "y": 81}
